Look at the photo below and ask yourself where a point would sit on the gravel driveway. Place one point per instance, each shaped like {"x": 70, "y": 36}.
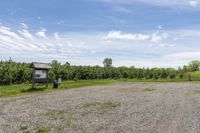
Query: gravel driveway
{"x": 119, "y": 108}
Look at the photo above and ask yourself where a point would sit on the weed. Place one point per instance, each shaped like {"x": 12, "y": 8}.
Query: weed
{"x": 23, "y": 127}
{"x": 148, "y": 89}
{"x": 42, "y": 130}
{"x": 103, "y": 105}
{"x": 7, "y": 125}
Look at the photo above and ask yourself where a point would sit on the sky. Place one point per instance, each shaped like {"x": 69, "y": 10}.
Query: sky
{"x": 141, "y": 33}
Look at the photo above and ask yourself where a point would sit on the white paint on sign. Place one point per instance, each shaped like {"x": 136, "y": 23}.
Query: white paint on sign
{"x": 39, "y": 74}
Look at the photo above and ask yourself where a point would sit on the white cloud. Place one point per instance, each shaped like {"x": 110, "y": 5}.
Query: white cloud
{"x": 6, "y": 31}
{"x": 169, "y": 3}
{"x": 159, "y": 37}
{"x": 149, "y": 49}
{"x": 25, "y": 26}
{"x": 25, "y": 45}
{"x": 185, "y": 56}
{"x": 56, "y": 36}
{"x": 93, "y": 51}
{"x": 166, "y": 46}
{"x": 126, "y": 36}
{"x": 193, "y": 3}
{"x": 118, "y": 35}
{"x": 26, "y": 34}
{"x": 41, "y": 33}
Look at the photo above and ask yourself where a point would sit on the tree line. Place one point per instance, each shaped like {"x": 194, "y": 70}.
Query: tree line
{"x": 14, "y": 72}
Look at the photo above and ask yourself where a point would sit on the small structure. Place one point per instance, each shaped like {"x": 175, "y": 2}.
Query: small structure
{"x": 40, "y": 72}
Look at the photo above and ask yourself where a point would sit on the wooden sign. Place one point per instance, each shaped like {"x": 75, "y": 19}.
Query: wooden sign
{"x": 40, "y": 73}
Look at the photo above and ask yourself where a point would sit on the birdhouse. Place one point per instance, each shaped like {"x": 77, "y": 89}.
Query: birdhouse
{"x": 40, "y": 72}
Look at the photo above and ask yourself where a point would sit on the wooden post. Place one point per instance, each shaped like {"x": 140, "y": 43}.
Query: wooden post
{"x": 33, "y": 78}
{"x": 47, "y": 82}
{"x": 190, "y": 77}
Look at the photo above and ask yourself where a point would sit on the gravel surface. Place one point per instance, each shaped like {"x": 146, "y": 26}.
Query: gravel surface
{"x": 119, "y": 108}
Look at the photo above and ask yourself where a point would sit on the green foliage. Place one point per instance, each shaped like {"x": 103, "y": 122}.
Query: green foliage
{"x": 107, "y": 62}
{"x": 23, "y": 127}
{"x": 42, "y": 130}
{"x": 14, "y": 73}
{"x": 194, "y": 65}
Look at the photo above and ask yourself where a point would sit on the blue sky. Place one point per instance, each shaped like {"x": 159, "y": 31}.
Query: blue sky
{"x": 143, "y": 33}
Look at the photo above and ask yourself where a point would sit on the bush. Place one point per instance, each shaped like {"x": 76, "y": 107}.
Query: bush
{"x": 172, "y": 76}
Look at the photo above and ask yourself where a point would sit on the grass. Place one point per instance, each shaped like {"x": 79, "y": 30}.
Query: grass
{"x": 109, "y": 104}
{"x": 89, "y": 105}
{"x": 21, "y": 89}
{"x": 148, "y": 89}
{"x": 55, "y": 115}
{"x": 82, "y": 83}
{"x": 7, "y": 125}
{"x": 196, "y": 91}
{"x": 157, "y": 80}
{"x": 66, "y": 118}
{"x": 23, "y": 127}
{"x": 99, "y": 105}
{"x": 195, "y": 76}
{"x": 42, "y": 130}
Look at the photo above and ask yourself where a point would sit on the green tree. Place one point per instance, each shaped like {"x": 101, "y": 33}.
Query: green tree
{"x": 107, "y": 62}
{"x": 194, "y": 65}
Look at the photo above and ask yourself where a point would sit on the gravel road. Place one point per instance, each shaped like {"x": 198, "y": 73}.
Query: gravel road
{"x": 119, "y": 108}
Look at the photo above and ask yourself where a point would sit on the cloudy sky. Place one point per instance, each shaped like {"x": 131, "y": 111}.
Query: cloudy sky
{"x": 143, "y": 33}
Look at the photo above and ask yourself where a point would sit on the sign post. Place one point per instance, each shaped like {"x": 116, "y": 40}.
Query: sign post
{"x": 40, "y": 73}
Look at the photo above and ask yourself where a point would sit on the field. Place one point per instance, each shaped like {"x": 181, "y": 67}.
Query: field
{"x": 121, "y": 107}
{"x": 23, "y": 89}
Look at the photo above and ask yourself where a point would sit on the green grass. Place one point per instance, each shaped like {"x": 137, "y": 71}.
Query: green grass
{"x": 42, "y": 130}
{"x": 55, "y": 115}
{"x": 148, "y": 89}
{"x": 82, "y": 83}
{"x": 21, "y": 89}
{"x": 7, "y": 125}
{"x": 98, "y": 105}
{"x": 23, "y": 127}
{"x": 195, "y": 76}
{"x": 196, "y": 91}
{"x": 65, "y": 117}
{"x": 157, "y": 80}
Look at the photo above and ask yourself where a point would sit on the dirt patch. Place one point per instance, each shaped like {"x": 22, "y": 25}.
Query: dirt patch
{"x": 124, "y": 107}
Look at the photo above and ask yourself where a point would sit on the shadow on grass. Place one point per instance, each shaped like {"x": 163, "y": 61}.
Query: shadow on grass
{"x": 31, "y": 89}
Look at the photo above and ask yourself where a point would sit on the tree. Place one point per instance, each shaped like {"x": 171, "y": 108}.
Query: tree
{"x": 107, "y": 62}
{"x": 55, "y": 71}
{"x": 194, "y": 65}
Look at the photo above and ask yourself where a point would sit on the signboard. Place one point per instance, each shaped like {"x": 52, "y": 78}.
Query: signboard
{"x": 40, "y": 74}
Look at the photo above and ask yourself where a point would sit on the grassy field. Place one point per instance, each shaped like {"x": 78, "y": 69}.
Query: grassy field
{"x": 12, "y": 90}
